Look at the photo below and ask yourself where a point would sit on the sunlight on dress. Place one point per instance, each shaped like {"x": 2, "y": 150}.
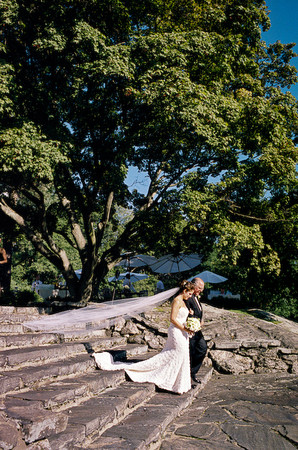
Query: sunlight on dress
{"x": 169, "y": 369}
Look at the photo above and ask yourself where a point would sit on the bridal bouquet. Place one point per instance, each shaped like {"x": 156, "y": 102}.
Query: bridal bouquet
{"x": 193, "y": 324}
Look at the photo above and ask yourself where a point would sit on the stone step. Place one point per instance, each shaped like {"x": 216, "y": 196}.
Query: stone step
{"x": 145, "y": 426}
{"x": 10, "y": 434}
{"x": 16, "y": 318}
{"x": 29, "y": 311}
{"x": 73, "y": 335}
{"x": 115, "y": 420}
{"x": 44, "y": 411}
{"x": 40, "y": 355}
{"x": 92, "y": 417}
{"x": 37, "y": 412}
{"x": 29, "y": 339}
{"x": 11, "y": 328}
{"x": 34, "y": 377}
{"x": 15, "y": 337}
{"x": 35, "y": 422}
{"x": 97, "y": 323}
{"x": 68, "y": 392}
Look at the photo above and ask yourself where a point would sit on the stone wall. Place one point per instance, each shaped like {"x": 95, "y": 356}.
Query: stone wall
{"x": 237, "y": 343}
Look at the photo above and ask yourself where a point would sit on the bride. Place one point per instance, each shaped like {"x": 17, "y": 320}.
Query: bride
{"x": 169, "y": 369}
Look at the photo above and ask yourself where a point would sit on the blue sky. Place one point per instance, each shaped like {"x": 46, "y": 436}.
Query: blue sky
{"x": 284, "y": 27}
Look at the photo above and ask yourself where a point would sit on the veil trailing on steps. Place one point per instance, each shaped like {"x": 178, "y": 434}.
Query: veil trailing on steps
{"x": 98, "y": 315}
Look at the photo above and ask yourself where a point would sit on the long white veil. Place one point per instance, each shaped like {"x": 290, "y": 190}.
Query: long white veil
{"x": 98, "y": 315}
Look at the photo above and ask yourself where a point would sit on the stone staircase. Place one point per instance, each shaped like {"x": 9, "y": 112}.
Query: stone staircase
{"x": 53, "y": 397}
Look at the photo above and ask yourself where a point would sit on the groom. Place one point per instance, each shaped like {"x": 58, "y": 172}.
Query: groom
{"x": 197, "y": 343}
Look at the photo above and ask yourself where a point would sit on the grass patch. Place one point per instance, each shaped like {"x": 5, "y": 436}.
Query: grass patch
{"x": 259, "y": 314}
{"x": 240, "y": 311}
{"x": 264, "y": 315}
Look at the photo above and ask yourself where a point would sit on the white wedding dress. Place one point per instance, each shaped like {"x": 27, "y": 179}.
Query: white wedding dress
{"x": 169, "y": 369}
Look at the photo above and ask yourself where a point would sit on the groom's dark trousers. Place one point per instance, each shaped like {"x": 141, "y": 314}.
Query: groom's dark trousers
{"x": 197, "y": 351}
{"x": 197, "y": 344}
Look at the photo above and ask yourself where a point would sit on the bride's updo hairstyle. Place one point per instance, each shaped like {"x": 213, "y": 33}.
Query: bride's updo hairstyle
{"x": 186, "y": 286}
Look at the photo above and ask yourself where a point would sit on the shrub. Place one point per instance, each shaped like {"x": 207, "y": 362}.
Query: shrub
{"x": 28, "y": 298}
{"x": 21, "y": 298}
{"x": 284, "y": 305}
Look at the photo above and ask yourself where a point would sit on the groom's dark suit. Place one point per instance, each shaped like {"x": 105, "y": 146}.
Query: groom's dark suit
{"x": 197, "y": 344}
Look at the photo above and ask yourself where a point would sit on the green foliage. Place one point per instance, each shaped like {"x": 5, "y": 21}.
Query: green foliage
{"x": 172, "y": 87}
{"x": 28, "y": 154}
{"x": 28, "y": 298}
{"x": 27, "y": 263}
{"x": 235, "y": 238}
{"x": 22, "y": 298}
{"x": 283, "y": 304}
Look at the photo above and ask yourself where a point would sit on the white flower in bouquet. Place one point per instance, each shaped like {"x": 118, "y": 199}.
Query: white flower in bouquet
{"x": 193, "y": 324}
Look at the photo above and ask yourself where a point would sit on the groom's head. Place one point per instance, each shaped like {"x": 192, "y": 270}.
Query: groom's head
{"x": 198, "y": 286}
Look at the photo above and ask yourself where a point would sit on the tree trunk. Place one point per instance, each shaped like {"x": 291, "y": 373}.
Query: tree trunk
{"x": 84, "y": 289}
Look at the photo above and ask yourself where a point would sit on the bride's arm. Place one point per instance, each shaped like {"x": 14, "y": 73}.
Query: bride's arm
{"x": 174, "y": 314}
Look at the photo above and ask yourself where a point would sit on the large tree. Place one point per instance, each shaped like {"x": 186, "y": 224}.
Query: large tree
{"x": 90, "y": 88}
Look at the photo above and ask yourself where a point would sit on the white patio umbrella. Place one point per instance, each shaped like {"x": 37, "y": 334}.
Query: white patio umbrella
{"x": 174, "y": 264}
{"x": 133, "y": 277}
{"x": 137, "y": 261}
{"x": 210, "y": 277}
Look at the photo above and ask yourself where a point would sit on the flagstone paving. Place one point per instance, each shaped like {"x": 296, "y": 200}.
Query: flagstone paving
{"x": 253, "y": 412}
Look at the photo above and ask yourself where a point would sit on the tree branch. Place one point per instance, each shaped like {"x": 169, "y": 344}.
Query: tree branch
{"x": 32, "y": 235}
{"x": 259, "y": 219}
{"x": 75, "y": 227}
{"x": 106, "y": 216}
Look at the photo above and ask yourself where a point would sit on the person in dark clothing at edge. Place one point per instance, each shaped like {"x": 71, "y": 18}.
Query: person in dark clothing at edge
{"x": 197, "y": 343}
{"x": 3, "y": 261}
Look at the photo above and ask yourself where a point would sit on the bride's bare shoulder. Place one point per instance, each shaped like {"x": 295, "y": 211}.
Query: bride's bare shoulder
{"x": 177, "y": 301}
